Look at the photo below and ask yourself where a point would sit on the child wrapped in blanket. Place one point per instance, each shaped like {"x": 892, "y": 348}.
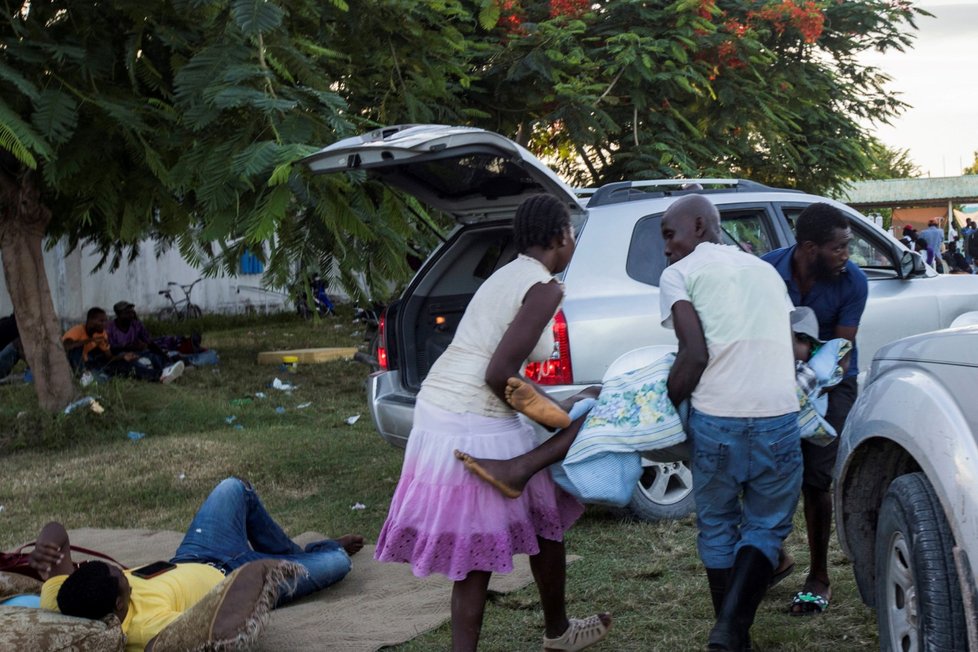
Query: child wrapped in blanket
{"x": 633, "y": 414}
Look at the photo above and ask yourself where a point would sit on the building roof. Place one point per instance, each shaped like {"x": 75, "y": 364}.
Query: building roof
{"x": 936, "y": 191}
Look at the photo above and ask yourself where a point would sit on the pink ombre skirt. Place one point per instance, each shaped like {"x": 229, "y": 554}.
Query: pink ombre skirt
{"x": 445, "y": 520}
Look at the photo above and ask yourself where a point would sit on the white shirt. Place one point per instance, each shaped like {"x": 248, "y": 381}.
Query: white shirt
{"x": 457, "y": 379}
{"x": 744, "y": 308}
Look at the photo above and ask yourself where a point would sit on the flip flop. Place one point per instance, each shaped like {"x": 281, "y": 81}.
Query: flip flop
{"x": 781, "y": 574}
{"x": 810, "y": 603}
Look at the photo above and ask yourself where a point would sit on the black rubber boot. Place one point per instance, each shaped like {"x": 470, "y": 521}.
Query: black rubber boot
{"x": 749, "y": 578}
{"x": 718, "y": 579}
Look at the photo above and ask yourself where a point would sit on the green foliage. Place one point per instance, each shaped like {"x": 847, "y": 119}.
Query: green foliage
{"x": 183, "y": 120}
{"x": 973, "y": 168}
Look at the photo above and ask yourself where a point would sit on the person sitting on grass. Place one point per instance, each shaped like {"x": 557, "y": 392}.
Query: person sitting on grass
{"x": 87, "y": 346}
{"x": 126, "y": 333}
{"x": 231, "y": 529}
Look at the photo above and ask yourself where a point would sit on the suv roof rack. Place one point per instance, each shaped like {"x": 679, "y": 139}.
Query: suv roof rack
{"x": 624, "y": 191}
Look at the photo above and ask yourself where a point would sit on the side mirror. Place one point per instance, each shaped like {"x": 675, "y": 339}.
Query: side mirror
{"x": 911, "y": 264}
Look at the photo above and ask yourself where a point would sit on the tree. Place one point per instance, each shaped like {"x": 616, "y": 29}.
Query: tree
{"x": 179, "y": 120}
{"x": 770, "y": 90}
{"x": 973, "y": 168}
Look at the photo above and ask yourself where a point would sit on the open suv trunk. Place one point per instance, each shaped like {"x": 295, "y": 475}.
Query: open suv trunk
{"x": 477, "y": 177}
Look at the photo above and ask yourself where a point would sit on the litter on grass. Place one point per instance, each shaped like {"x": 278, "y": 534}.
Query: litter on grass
{"x": 284, "y": 387}
{"x": 88, "y": 401}
{"x": 182, "y": 476}
{"x": 237, "y": 402}
{"x": 280, "y": 410}
{"x": 357, "y": 507}
{"x": 303, "y": 406}
{"x": 136, "y": 436}
{"x": 238, "y": 426}
{"x": 230, "y": 419}
{"x": 259, "y": 394}
{"x": 351, "y": 420}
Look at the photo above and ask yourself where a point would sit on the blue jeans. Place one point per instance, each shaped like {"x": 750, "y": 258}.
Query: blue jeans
{"x": 746, "y": 481}
{"x": 9, "y": 356}
{"x": 233, "y": 528}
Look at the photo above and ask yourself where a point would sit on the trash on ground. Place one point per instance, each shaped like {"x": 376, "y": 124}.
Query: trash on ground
{"x": 86, "y": 379}
{"x": 351, "y": 420}
{"x": 260, "y": 394}
{"x": 82, "y": 402}
{"x": 136, "y": 436}
{"x": 182, "y": 476}
{"x": 303, "y": 406}
{"x": 230, "y": 419}
{"x": 358, "y": 507}
{"x": 237, "y": 402}
{"x": 284, "y": 387}
{"x": 1, "y": 508}
{"x": 238, "y": 426}
{"x": 96, "y": 407}
{"x": 280, "y": 410}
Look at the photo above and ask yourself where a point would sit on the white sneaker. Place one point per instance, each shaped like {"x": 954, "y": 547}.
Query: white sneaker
{"x": 172, "y": 372}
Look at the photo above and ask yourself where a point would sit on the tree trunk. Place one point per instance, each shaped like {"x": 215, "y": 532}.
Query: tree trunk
{"x": 23, "y": 220}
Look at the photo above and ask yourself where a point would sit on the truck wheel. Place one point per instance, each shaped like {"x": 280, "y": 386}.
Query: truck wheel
{"x": 918, "y": 596}
{"x": 665, "y": 491}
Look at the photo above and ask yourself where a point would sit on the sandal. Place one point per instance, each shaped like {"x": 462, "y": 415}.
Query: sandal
{"x": 580, "y": 634}
{"x": 780, "y": 574}
{"x": 809, "y": 603}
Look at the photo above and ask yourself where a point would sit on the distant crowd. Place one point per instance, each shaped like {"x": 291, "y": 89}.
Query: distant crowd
{"x": 954, "y": 256}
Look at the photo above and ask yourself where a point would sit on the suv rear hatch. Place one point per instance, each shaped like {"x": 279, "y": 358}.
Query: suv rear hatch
{"x": 478, "y": 178}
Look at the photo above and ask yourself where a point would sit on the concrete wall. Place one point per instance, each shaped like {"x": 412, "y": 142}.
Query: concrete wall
{"x": 75, "y": 288}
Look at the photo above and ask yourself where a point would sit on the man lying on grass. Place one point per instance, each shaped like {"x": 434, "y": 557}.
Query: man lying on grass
{"x": 231, "y": 529}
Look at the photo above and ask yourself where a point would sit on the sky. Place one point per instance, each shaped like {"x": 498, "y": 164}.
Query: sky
{"x": 939, "y": 79}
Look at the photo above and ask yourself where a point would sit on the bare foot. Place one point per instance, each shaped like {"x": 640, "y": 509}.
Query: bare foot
{"x": 525, "y": 398}
{"x": 352, "y": 543}
{"x": 493, "y": 472}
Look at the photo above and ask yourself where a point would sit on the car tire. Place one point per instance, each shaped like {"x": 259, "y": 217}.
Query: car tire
{"x": 665, "y": 491}
{"x": 918, "y": 596}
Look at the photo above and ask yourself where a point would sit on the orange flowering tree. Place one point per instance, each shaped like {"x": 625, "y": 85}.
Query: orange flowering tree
{"x": 766, "y": 89}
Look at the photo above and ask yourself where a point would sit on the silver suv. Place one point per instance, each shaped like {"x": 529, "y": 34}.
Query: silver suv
{"x": 611, "y": 304}
{"x": 906, "y": 497}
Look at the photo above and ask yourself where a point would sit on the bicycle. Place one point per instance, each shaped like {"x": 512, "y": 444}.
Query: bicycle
{"x": 182, "y": 309}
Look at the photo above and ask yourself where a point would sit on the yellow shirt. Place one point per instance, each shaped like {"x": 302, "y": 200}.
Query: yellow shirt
{"x": 98, "y": 340}
{"x": 154, "y": 603}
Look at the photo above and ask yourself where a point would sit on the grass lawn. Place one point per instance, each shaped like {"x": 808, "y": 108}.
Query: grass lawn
{"x": 311, "y": 468}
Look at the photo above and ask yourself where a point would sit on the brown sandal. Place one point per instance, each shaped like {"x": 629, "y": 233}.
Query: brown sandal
{"x": 580, "y": 634}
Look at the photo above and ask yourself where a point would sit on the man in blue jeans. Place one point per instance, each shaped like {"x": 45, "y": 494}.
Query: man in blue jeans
{"x": 735, "y": 365}
{"x": 231, "y": 529}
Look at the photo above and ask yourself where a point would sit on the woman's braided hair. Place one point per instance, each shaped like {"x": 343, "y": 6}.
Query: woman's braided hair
{"x": 539, "y": 219}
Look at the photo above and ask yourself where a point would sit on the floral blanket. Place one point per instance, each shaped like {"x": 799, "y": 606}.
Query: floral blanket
{"x": 633, "y": 414}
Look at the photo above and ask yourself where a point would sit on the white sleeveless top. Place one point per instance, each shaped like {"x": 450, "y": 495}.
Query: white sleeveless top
{"x": 456, "y": 382}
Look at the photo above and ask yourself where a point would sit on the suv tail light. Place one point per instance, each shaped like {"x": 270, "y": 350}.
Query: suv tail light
{"x": 556, "y": 370}
{"x": 382, "y": 341}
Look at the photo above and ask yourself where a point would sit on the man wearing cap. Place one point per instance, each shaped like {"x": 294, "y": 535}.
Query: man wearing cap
{"x": 127, "y": 333}
{"x": 934, "y": 237}
{"x": 818, "y": 274}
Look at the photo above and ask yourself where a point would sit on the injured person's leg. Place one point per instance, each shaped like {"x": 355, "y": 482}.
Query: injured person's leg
{"x": 525, "y": 398}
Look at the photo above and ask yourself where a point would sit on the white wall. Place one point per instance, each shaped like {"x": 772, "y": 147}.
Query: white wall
{"x": 75, "y": 288}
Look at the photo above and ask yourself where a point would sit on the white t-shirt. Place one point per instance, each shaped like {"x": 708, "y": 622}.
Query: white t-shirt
{"x": 744, "y": 308}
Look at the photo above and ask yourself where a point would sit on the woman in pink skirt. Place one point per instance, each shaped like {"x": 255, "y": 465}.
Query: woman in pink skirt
{"x": 444, "y": 519}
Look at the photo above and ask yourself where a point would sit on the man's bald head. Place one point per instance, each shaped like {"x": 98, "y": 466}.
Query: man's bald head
{"x": 689, "y": 221}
